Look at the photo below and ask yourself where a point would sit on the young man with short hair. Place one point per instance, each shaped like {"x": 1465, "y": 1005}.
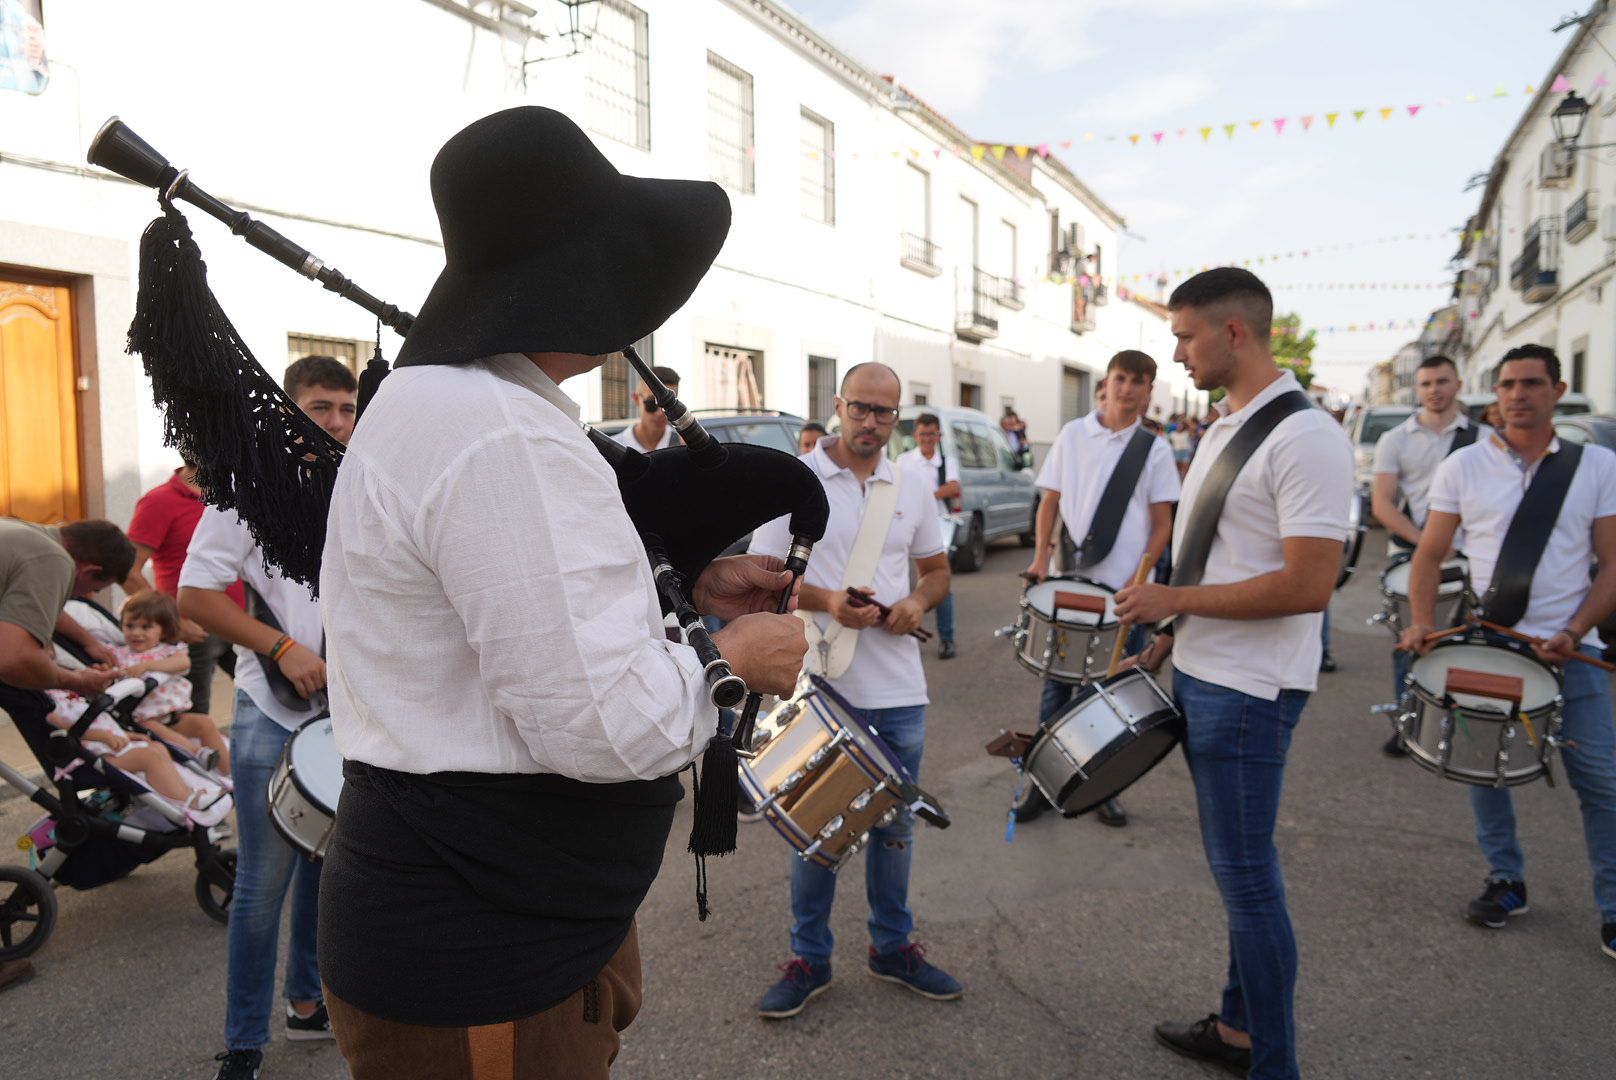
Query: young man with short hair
{"x": 1479, "y": 489}
{"x": 1405, "y": 460}
{"x": 809, "y": 436}
{"x": 929, "y": 465}
{"x": 222, "y": 552}
{"x": 1244, "y": 637}
{"x": 1075, "y": 477}
{"x": 651, "y": 430}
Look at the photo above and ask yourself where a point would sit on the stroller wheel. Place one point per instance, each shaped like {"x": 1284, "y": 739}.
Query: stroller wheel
{"x": 27, "y": 912}
{"x": 214, "y": 890}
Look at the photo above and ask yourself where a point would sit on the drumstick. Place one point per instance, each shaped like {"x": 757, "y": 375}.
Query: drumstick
{"x": 1497, "y": 628}
{"x": 1122, "y": 632}
{"x": 1438, "y": 635}
{"x": 858, "y": 599}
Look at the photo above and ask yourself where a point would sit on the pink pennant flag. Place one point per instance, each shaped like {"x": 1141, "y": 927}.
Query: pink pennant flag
{"x": 1066, "y": 144}
{"x": 1043, "y": 149}
{"x": 1307, "y": 123}
{"x": 1413, "y": 110}
{"x": 1181, "y": 133}
{"x": 1157, "y": 135}
{"x": 1561, "y": 84}
{"x": 1601, "y": 82}
{"x": 937, "y": 153}
{"x": 1279, "y": 126}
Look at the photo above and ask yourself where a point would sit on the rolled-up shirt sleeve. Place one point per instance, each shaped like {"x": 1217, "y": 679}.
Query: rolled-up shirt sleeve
{"x": 217, "y": 555}
{"x": 558, "y": 605}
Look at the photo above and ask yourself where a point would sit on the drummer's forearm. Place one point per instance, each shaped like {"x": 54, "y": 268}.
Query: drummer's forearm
{"x": 1383, "y": 504}
{"x": 1048, "y": 512}
{"x": 814, "y": 598}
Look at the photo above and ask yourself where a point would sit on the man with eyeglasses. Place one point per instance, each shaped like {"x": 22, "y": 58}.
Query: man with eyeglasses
{"x": 652, "y": 430}
{"x": 882, "y": 676}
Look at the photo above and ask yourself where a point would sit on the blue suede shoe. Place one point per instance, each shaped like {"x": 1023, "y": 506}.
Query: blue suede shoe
{"x": 908, "y": 967}
{"x": 799, "y": 982}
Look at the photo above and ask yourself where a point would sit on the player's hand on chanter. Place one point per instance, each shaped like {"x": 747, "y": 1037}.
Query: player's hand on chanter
{"x": 742, "y": 584}
{"x": 765, "y": 650}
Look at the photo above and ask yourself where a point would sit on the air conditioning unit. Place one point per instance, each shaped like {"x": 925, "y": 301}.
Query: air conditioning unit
{"x": 1555, "y": 166}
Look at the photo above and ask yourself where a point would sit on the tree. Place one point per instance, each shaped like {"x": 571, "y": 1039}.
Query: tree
{"x": 1293, "y": 350}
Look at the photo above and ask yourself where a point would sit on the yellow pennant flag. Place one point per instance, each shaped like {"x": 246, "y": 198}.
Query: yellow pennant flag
{"x": 978, "y": 151}
{"x": 1134, "y": 139}
{"x": 998, "y": 152}
{"x": 1472, "y": 98}
{"x": 1357, "y": 114}
{"x": 1256, "y": 125}
{"x": 1500, "y": 92}
{"x": 1530, "y": 90}
{"x": 1088, "y": 136}
{"x": 1386, "y": 113}
{"x": 1228, "y": 129}
{"x": 1206, "y": 133}
{"x": 1021, "y": 152}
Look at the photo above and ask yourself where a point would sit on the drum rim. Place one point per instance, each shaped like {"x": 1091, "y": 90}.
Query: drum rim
{"x": 1518, "y": 648}
{"x": 1405, "y": 559}
{"x": 1162, "y": 717}
{"x": 1050, "y": 620}
{"x": 285, "y": 766}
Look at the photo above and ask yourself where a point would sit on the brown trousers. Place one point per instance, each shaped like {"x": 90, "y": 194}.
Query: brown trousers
{"x": 575, "y": 1040}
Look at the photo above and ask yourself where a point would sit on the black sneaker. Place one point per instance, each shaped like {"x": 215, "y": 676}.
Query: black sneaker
{"x": 946, "y": 651}
{"x": 1499, "y": 901}
{"x": 317, "y": 1025}
{"x": 1032, "y": 805}
{"x": 1201, "y": 1041}
{"x": 1326, "y": 662}
{"x": 239, "y": 1064}
{"x": 799, "y": 983}
{"x": 1111, "y": 813}
{"x": 1607, "y": 939}
{"x": 1394, "y": 747}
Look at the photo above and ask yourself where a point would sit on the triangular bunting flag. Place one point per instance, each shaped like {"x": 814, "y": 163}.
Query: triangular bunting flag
{"x": 1228, "y": 129}
{"x": 1066, "y": 144}
{"x": 1601, "y": 82}
{"x": 1357, "y": 114}
{"x": 1307, "y": 123}
{"x": 1206, "y": 133}
{"x": 1181, "y": 133}
{"x": 1134, "y": 139}
{"x": 999, "y": 151}
{"x": 1021, "y": 152}
{"x": 1530, "y": 90}
{"x": 1279, "y": 126}
{"x": 978, "y": 151}
{"x": 1413, "y": 110}
{"x": 1561, "y": 84}
{"x": 1157, "y": 135}
{"x": 1256, "y": 125}
{"x": 1088, "y": 136}
{"x": 1386, "y": 113}
{"x": 1331, "y": 117}
{"x": 1043, "y": 149}
{"x": 1500, "y": 92}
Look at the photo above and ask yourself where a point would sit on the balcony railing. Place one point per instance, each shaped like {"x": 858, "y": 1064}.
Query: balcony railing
{"x": 978, "y": 310}
{"x": 1010, "y": 294}
{"x": 1580, "y": 218}
{"x": 1536, "y": 270}
{"x": 918, "y": 254}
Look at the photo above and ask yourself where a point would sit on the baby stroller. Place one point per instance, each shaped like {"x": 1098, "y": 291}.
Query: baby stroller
{"x": 101, "y": 823}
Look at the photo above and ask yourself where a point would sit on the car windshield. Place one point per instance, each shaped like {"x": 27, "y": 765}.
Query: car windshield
{"x": 1376, "y": 424}
{"x": 903, "y": 438}
{"x": 770, "y": 433}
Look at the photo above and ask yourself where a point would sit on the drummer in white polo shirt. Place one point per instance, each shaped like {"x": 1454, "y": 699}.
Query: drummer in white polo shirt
{"x": 1247, "y": 647}
{"x": 650, "y": 429}
{"x": 1074, "y": 478}
{"x": 884, "y": 681}
{"x": 1479, "y": 488}
{"x": 937, "y": 469}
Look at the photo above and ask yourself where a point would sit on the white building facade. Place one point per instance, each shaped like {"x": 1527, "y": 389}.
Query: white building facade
{"x": 866, "y": 227}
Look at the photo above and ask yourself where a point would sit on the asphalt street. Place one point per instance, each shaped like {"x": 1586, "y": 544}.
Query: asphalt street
{"x": 1071, "y": 941}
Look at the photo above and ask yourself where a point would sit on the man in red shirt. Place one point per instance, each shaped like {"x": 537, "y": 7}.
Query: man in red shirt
{"x": 165, "y": 517}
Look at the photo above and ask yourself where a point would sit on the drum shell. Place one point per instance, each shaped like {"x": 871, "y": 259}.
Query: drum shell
{"x": 1450, "y": 608}
{"x": 1105, "y": 740}
{"x": 1475, "y": 741}
{"x": 298, "y": 813}
{"x": 824, "y": 781}
{"x": 1074, "y": 650}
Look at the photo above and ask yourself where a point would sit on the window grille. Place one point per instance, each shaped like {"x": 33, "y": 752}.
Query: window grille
{"x": 818, "y": 168}
{"x": 730, "y": 148}
{"x": 821, "y": 387}
{"x": 617, "y": 75}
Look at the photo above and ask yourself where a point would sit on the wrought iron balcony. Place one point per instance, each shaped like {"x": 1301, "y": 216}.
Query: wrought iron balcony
{"x": 1536, "y": 270}
{"x": 1581, "y": 218}
{"x": 978, "y": 310}
{"x": 918, "y": 254}
{"x": 1010, "y": 294}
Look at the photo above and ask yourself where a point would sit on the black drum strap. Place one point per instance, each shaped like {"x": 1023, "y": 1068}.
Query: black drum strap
{"x": 1108, "y": 514}
{"x": 1528, "y": 535}
{"x": 1202, "y": 526}
{"x": 279, "y": 685}
{"x": 1461, "y": 439}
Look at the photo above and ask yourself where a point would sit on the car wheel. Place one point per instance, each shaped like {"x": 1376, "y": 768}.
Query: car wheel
{"x": 973, "y": 552}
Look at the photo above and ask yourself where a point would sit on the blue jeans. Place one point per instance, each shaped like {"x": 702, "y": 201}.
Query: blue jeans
{"x": 1589, "y": 758}
{"x": 1057, "y": 694}
{"x": 1324, "y": 630}
{"x": 945, "y": 618}
{"x": 1236, "y": 745}
{"x": 886, "y": 860}
{"x": 1402, "y": 664}
{"x": 267, "y": 868}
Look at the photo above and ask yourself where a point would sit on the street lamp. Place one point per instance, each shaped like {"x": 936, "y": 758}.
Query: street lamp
{"x": 1568, "y": 118}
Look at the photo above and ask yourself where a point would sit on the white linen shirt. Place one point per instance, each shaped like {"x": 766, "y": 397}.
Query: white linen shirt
{"x": 489, "y": 606}
{"x": 1484, "y": 483}
{"x": 1297, "y": 483}
{"x": 925, "y": 469}
{"x": 221, "y": 552}
{"x": 670, "y": 437}
{"x": 1079, "y": 466}
{"x": 1411, "y": 452}
{"x": 885, "y": 672}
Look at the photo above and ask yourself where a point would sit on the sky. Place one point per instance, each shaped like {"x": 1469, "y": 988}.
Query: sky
{"x": 1372, "y": 202}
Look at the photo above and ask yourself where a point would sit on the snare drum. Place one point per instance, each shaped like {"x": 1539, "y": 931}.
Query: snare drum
{"x": 1114, "y": 733}
{"x": 1475, "y": 739}
{"x": 823, "y": 778}
{"x": 1450, "y": 595}
{"x": 304, "y": 788}
{"x": 1066, "y": 629}
{"x": 1356, "y": 524}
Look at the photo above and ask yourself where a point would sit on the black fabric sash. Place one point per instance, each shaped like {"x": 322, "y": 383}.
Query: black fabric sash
{"x": 1203, "y": 523}
{"x": 462, "y": 899}
{"x": 280, "y": 687}
{"x": 1461, "y": 439}
{"x": 1108, "y": 514}
{"x": 1528, "y": 535}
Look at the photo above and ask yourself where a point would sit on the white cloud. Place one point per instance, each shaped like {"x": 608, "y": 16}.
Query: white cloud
{"x": 1147, "y": 98}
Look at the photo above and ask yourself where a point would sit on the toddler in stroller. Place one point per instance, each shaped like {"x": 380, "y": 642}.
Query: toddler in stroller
{"x": 150, "y": 623}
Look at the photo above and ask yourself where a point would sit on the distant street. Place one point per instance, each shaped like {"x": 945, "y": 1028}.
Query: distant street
{"x": 1071, "y": 941}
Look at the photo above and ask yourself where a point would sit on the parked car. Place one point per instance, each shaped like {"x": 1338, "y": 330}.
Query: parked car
{"x": 765, "y": 427}
{"x": 1571, "y": 404}
{"x": 997, "y": 495}
{"x": 1365, "y": 428}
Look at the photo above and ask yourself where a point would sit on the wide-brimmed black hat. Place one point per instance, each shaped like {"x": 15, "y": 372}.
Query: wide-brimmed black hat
{"x": 548, "y": 248}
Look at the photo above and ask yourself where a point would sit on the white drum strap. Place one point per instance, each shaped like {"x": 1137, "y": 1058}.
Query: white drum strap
{"x": 830, "y": 651}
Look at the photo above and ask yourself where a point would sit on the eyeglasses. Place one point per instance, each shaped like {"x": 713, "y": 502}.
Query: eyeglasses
{"x": 863, "y": 410}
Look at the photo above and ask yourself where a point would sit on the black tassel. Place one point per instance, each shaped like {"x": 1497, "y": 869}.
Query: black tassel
{"x": 370, "y": 380}
{"x": 716, "y": 791}
{"x": 255, "y": 451}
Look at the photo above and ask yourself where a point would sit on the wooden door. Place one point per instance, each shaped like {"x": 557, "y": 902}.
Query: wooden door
{"x": 39, "y": 425}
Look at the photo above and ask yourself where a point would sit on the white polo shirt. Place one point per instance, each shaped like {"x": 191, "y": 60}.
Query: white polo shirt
{"x": 1484, "y": 484}
{"x": 221, "y": 552}
{"x": 1078, "y": 468}
{"x": 925, "y": 469}
{"x": 1411, "y": 452}
{"x": 670, "y": 437}
{"x": 1297, "y": 483}
{"x": 886, "y": 671}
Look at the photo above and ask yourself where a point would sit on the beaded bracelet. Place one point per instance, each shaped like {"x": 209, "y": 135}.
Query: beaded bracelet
{"x": 281, "y": 647}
